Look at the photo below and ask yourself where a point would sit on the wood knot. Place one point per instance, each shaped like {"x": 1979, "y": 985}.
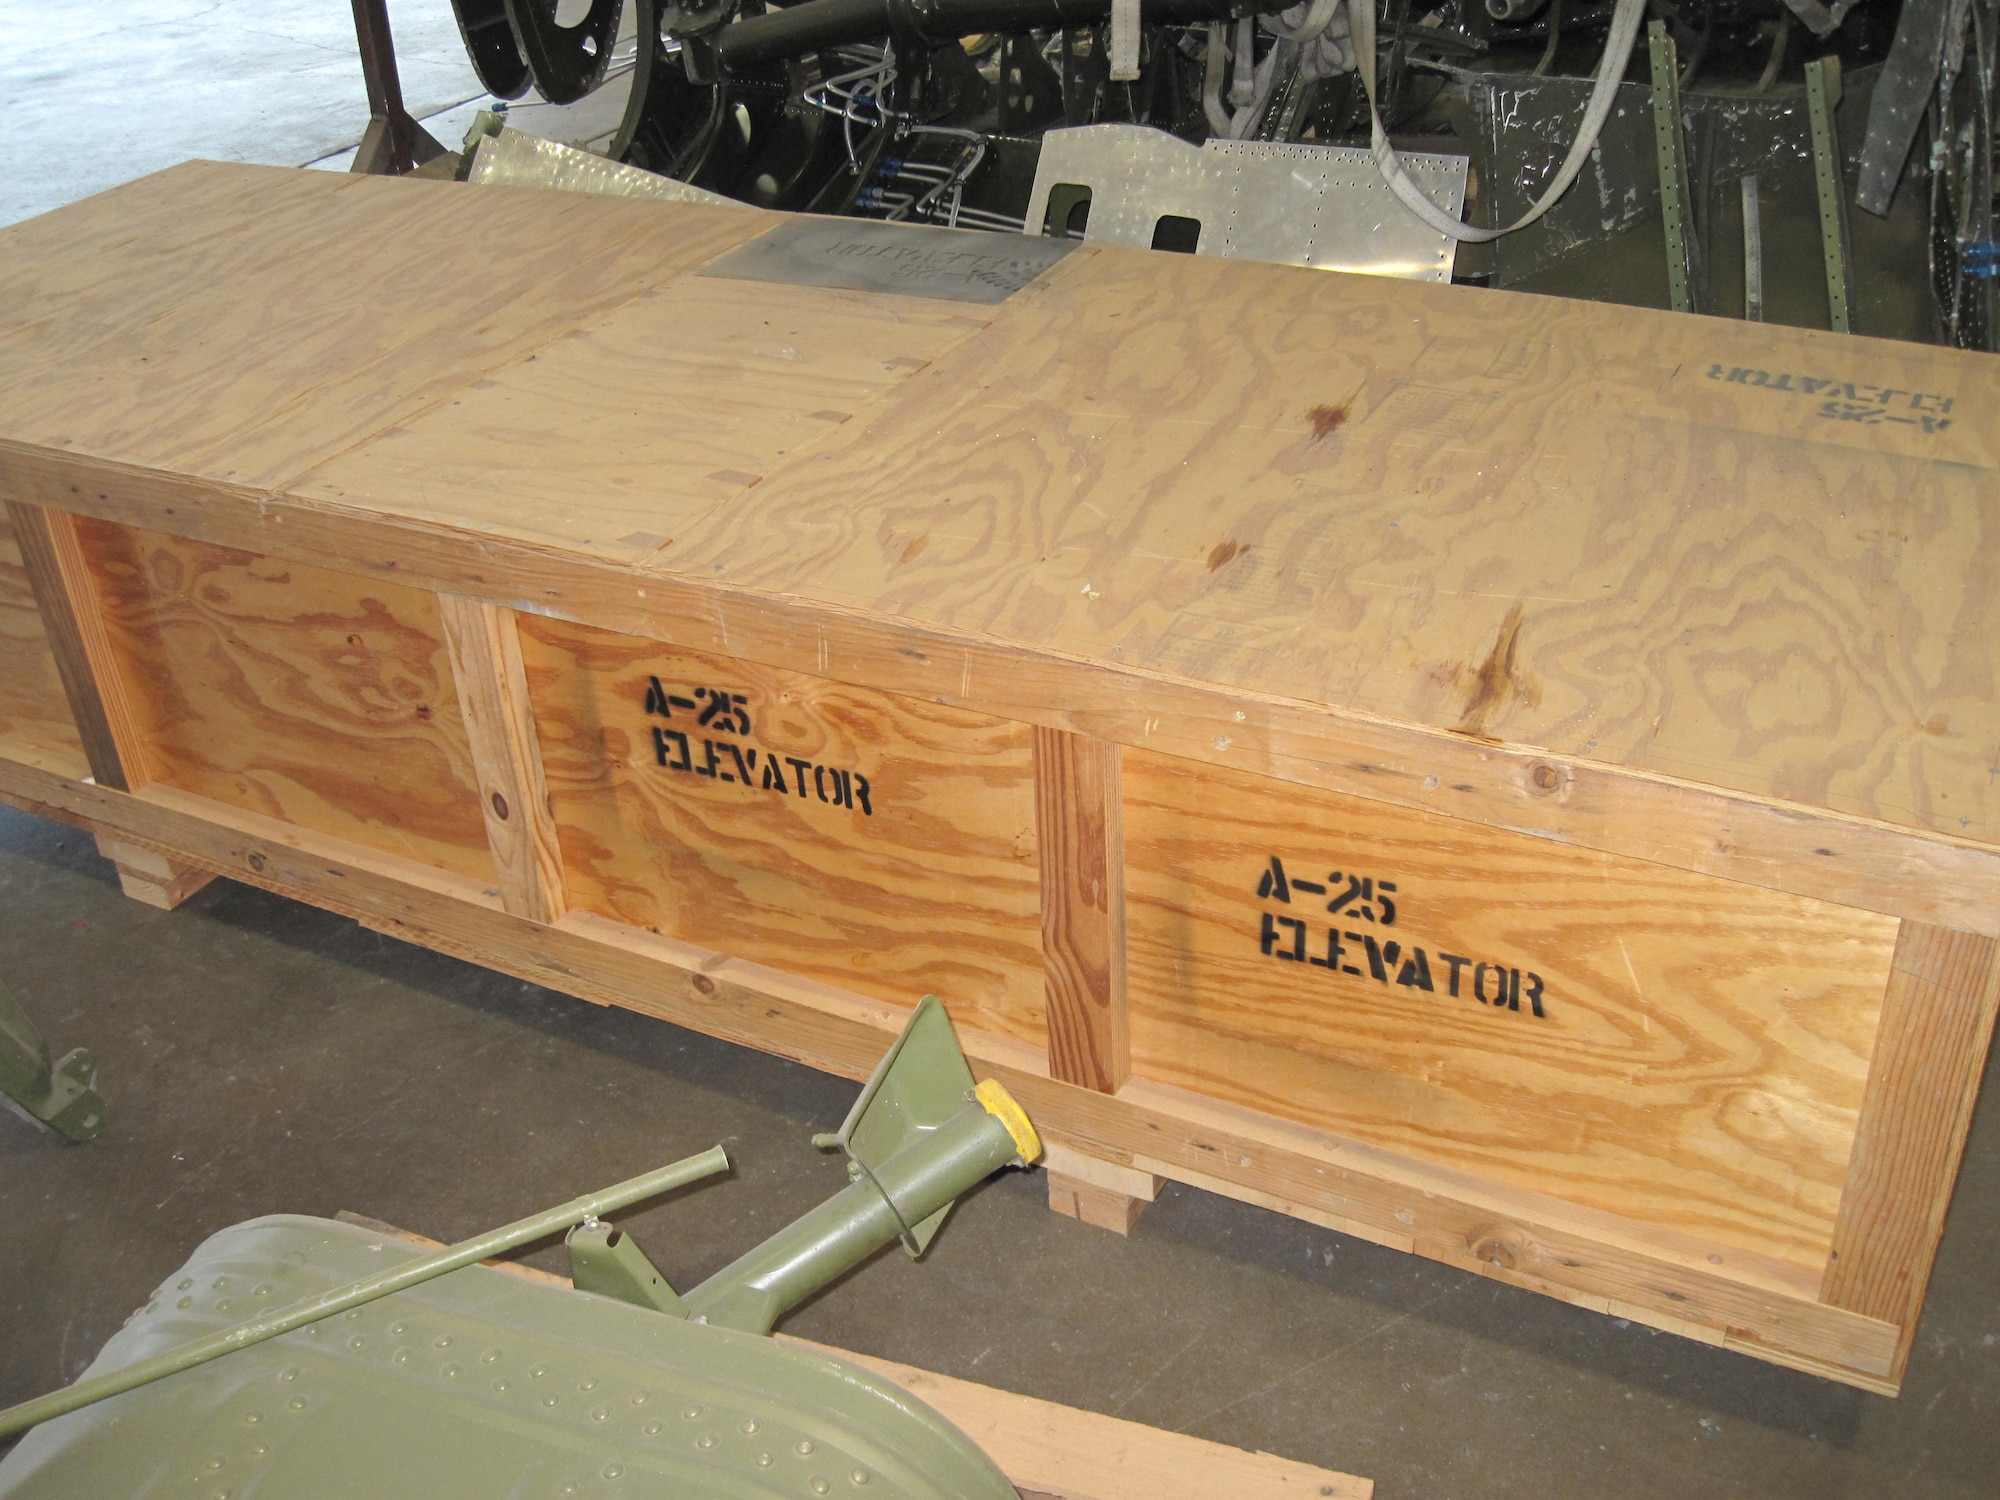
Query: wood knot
{"x": 255, "y": 861}
{"x": 704, "y": 984}
{"x": 1545, "y": 778}
{"x": 499, "y": 807}
{"x": 1493, "y": 1247}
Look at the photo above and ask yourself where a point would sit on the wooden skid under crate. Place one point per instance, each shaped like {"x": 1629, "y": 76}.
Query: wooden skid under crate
{"x": 1506, "y": 778}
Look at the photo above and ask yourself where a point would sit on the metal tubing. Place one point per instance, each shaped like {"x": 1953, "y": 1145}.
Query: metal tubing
{"x": 754, "y": 1291}
{"x": 828, "y": 23}
{"x": 370, "y": 1288}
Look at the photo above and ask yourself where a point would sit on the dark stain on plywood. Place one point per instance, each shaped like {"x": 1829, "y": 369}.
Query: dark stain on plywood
{"x": 1326, "y": 420}
{"x": 1497, "y": 681}
{"x": 1223, "y": 552}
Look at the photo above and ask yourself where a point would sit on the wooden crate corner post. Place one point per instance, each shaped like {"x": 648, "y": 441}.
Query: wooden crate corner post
{"x": 1930, "y": 1057}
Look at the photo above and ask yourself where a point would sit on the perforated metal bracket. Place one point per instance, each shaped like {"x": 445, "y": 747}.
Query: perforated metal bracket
{"x": 609, "y": 1263}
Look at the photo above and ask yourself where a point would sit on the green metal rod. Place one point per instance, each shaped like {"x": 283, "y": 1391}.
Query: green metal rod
{"x": 480, "y": 1247}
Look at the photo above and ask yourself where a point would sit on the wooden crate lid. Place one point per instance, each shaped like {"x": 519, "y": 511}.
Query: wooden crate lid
{"x": 1741, "y": 556}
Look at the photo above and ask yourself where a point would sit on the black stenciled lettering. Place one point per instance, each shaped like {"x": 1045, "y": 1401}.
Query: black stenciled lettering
{"x": 1272, "y": 885}
{"x": 1308, "y": 885}
{"x": 1382, "y": 893}
{"x": 1416, "y": 973}
{"x": 707, "y": 768}
{"x": 1268, "y": 938}
{"x": 1479, "y": 973}
{"x": 1535, "y": 993}
{"x": 819, "y": 782}
{"x": 861, "y": 791}
{"x": 1359, "y": 888}
{"x": 660, "y": 701}
{"x": 660, "y": 739}
{"x": 1354, "y": 940}
{"x": 1513, "y": 989}
{"x": 774, "y": 776}
{"x": 799, "y": 769}
{"x": 742, "y": 770}
{"x": 843, "y": 789}
{"x": 1457, "y": 962}
{"x": 1333, "y": 952}
{"x": 1812, "y": 387}
{"x": 1382, "y": 957}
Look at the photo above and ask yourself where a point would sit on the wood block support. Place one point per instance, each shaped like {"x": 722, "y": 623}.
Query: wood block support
{"x": 147, "y": 876}
{"x": 1930, "y": 1054}
{"x": 513, "y": 793}
{"x": 1107, "y": 1194}
{"x": 1080, "y": 825}
{"x": 60, "y": 578}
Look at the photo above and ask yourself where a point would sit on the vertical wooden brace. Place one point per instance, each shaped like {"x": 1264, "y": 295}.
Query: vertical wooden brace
{"x": 1930, "y": 1054}
{"x": 59, "y": 574}
{"x": 492, "y": 683}
{"x": 1080, "y": 825}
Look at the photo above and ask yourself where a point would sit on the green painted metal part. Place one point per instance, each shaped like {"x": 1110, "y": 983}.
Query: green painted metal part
{"x": 283, "y": 1317}
{"x": 369, "y": 1368}
{"x": 61, "y": 1094}
{"x": 916, "y": 1138}
{"x": 476, "y": 1386}
{"x": 1822, "y": 98}
{"x": 1671, "y": 152}
{"x": 609, "y": 1263}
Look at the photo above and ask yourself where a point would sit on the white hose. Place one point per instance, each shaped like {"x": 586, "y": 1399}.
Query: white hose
{"x": 1625, "y": 24}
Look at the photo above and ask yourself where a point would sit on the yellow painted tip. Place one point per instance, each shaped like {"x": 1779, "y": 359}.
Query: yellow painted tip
{"x": 1000, "y": 1104}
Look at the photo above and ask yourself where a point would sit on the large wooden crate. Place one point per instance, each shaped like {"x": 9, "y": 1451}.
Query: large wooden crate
{"x": 1507, "y": 778}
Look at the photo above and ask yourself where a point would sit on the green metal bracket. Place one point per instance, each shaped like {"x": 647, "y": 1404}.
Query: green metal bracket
{"x": 610, "y": 1263}
{"x": 63, "y": 1094}
{"x": 920, "y": 1083}
{"x": 920, "y": 1134}
{"x": 1682, "y": 281}
{"x": 1822, "y": 99}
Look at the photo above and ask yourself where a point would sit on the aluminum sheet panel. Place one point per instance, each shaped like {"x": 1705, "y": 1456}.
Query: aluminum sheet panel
{"x": 1290, "y": 204}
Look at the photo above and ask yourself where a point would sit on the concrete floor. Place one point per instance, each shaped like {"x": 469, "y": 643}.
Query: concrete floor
{"x": 262, "y": 1056}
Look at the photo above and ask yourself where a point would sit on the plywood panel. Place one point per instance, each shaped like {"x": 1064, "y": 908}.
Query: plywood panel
{"x": 880, "y": 843}
{"x": 34, "y": 714}
{"x": 1667, "y": 1047}
{"x": 316, "y": 697}
{"x": 616, "y": 437}
{"x": 1758, "y": 558}
{"x": 246, "y": 323}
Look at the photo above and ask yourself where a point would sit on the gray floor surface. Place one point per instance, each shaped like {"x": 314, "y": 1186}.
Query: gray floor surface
{"x": 262, "y": 1056}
